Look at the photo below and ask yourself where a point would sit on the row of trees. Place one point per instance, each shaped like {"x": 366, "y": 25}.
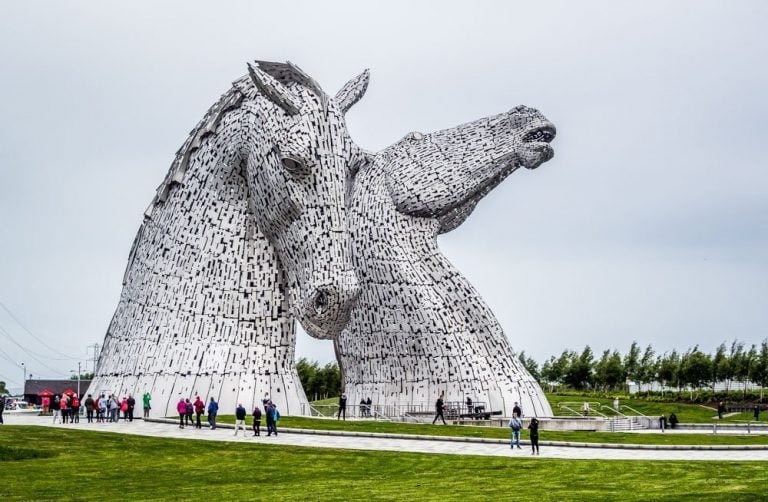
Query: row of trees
{"x": 695, "y": 369}
{"x": 319, "y": 382}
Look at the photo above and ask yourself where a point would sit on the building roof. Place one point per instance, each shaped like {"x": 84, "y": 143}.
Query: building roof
{"x": 55, "y": 386}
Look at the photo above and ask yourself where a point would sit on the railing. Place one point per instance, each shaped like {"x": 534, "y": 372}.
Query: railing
{"x": 576, "y": 408}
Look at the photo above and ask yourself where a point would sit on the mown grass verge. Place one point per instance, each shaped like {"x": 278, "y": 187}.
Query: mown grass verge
{"x": 14, "y": 453}
{"x": 93, "y": 465}
{"x": 666, "y": 438}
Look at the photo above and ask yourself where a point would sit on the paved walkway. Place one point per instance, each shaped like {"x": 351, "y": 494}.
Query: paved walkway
{"x": 325, "y": 440}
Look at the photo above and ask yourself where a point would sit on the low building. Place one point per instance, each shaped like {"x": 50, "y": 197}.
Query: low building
{"x": 33, "y": 388}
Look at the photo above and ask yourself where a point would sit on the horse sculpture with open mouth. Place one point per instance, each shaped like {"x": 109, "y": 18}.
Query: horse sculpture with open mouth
{"x": 420, "y": 328}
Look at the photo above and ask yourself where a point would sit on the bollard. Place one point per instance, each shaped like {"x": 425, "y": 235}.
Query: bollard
{"x": 714, "y": 428}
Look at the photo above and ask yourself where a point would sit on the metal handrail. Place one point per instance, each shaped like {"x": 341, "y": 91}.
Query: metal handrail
{"x": 567, "y": 405}
{"x": 633, "y": 411}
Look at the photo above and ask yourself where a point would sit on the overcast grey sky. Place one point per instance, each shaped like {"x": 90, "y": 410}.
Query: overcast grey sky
{"x": 650, "y": 224}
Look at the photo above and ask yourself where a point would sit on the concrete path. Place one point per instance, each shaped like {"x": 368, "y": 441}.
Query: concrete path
{"x": 170, "y": 430}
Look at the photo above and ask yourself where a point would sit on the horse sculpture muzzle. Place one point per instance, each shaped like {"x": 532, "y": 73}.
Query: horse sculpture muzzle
{"x": 327, "y": 307}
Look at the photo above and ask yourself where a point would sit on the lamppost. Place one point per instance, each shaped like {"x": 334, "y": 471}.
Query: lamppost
{"x": 24, "y": 382}
{"x": 78, "y": 378}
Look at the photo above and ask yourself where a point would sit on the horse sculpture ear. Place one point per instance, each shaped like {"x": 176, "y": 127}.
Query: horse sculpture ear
{"x": 352, "y": 91}
{"x": 274, "y": 90}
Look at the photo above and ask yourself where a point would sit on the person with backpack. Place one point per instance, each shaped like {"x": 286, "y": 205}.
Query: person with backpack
{"x": 199, "y": 409}
{"x": 114, "y": 409}
{"x": 240, "y": 419}
{"x": 90, "y": 405}
{"x": 189, "y": 410}
{"x": 76, "y": 409}
{"x": 257, "y": 421}
{"x": 516, "y": 425}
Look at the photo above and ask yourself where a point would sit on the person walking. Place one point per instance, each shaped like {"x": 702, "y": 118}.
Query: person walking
{"x": 439, "y": 408}
{"x": 213, "y": 410}
{"x": 342, "y": 406}
{"x": 585, "y": 409}
{"x": 90, "y": 405}
{"x": 257, "y": 421}
{"x": 189, "y": 410}
{"x": 146, "y": 398}
{"x": 270, "y": 418}
{"x": 56, "y": 407}
{"x": 131, "y": 406}
{"x": 515, "y": 424}
{"x": 2, "y": 408}
{"x": 181, "y": 408}
{"x": 662, "y": 422}
{"x": 199, "y": 406}
{"x": 368, "y": 405}
{"x": 275, "y": 418}
{"x": 240, "y": 419}
{"x": 534, "y": 428}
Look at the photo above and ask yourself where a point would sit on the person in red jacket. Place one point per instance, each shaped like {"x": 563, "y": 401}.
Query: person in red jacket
{"x": 181, "y": 407}
{"x": 199, "y": 408}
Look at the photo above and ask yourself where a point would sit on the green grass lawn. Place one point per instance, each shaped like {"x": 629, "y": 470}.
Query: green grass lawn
{"x": 89, "y": 465}
{"x": 686, "y": 413}
{"x": 503, "y": 432}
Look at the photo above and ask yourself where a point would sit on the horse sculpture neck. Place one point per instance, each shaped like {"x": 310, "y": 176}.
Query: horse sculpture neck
{"x": 222, "y": 264}
{"x": 204, "y": 308}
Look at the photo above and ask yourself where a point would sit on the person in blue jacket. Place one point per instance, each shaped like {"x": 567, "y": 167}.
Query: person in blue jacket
{"x": 213, "y": 409}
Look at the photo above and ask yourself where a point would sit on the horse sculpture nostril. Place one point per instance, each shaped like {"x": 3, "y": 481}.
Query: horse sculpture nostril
{"x": 320, "y": 302}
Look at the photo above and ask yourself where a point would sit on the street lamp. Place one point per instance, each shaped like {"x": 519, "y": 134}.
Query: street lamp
{"x": 78, "y": 378}
{"x": 24, "y": 382}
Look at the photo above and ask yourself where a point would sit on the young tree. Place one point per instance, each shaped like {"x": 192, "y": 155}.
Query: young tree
{"x": 579, "y": 374}
{"x": 744, "y": 367}
{"x": 632, "y": 363}
{"x": 734, "y": 360}
{"x": 720, "y": 366}
{"x": 669, "y": 370}
{"x": 696, "y": 368}
{"x": 761, "y": 368}
{"x": 530, "y": 365}
{"x": 648, "y": 369}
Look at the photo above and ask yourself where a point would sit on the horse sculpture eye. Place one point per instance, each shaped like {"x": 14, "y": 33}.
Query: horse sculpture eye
{"x": 293, "y": 166}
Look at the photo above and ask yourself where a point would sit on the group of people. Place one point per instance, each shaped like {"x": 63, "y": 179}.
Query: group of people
{"x": 516, "y": 424}
{"x": 67, "y": 408}
{"x": 270, "y": 412}
{"x": 190, "y": 412}
{"x": 365, "y": 407}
